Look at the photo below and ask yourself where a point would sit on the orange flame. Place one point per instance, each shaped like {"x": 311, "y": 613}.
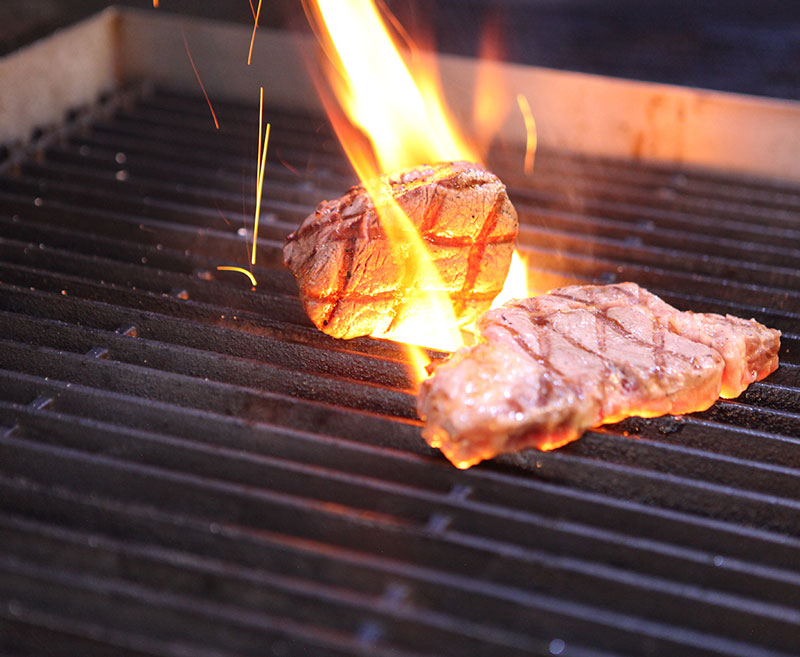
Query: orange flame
{"x": 401, "y": 111}
{"x": 517, "y": 285}
{"x": 389, "y": 114}
{"x": 530, "y": 129}
{"x": 492, "y": 99}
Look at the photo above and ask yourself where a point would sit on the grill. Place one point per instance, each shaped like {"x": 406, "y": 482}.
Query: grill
{"x": 188, "y": 467}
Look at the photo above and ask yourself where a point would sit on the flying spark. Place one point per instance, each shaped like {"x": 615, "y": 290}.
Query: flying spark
{"x": 260, "y": 166}
{"x": 255, "y": 27}
{"x": 197, "y": 75}
{"x": 241, "y": 271}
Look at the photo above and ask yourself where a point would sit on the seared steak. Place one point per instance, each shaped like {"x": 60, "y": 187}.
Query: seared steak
{"x": 552, "y": 366}
{"x": 353, "y": 282}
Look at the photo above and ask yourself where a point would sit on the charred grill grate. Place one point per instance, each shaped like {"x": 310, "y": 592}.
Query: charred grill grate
{"x": 188, "y": 467}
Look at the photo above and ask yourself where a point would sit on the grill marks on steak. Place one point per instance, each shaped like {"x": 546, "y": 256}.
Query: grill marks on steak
{"x": 352, "y": 280}
{"x": 477, "y": 251}
{"x": 553, "y": 366}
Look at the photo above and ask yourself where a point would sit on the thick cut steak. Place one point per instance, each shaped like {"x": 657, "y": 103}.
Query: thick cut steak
{"x": 354, "y": 282}
{"x": 552, "y": 366}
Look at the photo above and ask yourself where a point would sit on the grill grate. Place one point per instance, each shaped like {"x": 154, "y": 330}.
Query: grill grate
{"x": 189, "y": 467}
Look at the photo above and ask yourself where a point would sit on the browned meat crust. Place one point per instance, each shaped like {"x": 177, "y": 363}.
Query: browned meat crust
{"x": 352, "y": 282}
{"x": 553, "y": 366}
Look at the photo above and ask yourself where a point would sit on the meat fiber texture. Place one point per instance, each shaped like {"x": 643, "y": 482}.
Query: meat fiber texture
{"x": 552, "y": 366}
{"x": 354, "y": 282}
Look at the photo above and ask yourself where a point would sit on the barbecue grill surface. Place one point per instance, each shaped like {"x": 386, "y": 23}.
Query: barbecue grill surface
{"x": 188, "y": 467}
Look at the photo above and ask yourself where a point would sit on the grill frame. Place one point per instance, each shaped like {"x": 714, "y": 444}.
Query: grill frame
{"x": 189, "y": 466}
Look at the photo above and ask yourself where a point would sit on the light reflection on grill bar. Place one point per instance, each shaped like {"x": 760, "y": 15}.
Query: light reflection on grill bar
{"x": 221, "y": 442}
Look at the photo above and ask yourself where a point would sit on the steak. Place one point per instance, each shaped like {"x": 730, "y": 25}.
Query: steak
{"x": 354, "y": 282}
{"x": 552, "y": 366}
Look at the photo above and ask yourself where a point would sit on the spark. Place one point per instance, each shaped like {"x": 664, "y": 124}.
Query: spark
{"x": 259, "y": 189}
{"x": 243, "y": 230}
{"x": 155, "y": 4}
{"x": 221, "y": 214}
{"x": 530, "y": 129}
{"x": 253, "y": 38}
{"x": 286, "y": 164}
{"x": 252, "y": 9}
{"x": 241, "y": 271}
{"x": 260, "y": 130}
{"x": 197, "y": 75}
{"x": 260, "y": 166}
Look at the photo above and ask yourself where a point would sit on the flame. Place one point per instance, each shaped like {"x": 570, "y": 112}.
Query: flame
{"x": 530, "y": 130}
{"x": 418, "y": 362}
{"x": 492, "y": 99}
{"x": 406, "y": 124}
{"x": 517, "y": 285}
{"x": 387, "y": 110}
{"x": 427, "y": 317}
{"x": 401, "y": 111}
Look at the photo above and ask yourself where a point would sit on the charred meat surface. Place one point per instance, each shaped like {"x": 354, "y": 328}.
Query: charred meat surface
{"x": 552, "y": 366}
{"x": 354, "y": 282}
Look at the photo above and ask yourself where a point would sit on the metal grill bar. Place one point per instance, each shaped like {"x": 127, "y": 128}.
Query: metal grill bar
{"x": 189, "y": 466}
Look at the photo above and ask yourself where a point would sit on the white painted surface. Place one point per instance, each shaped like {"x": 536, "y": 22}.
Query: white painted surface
{"x": 70, "y": 68}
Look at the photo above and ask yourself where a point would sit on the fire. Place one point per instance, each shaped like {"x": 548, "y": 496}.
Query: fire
{"x": 530, "y": 129}
{"x": 428, "y": 318}
{"x": 388, "y": 112}
{"x": 492, "y": 99}
{"x": 517, "y": 285}
{"x": 400, "y": 110}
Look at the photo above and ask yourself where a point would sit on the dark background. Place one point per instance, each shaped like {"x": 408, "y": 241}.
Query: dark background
{"x": 745, "y": 46}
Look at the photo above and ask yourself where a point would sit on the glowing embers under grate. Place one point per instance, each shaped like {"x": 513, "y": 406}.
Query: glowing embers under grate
{"x": 188, "y": 467}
